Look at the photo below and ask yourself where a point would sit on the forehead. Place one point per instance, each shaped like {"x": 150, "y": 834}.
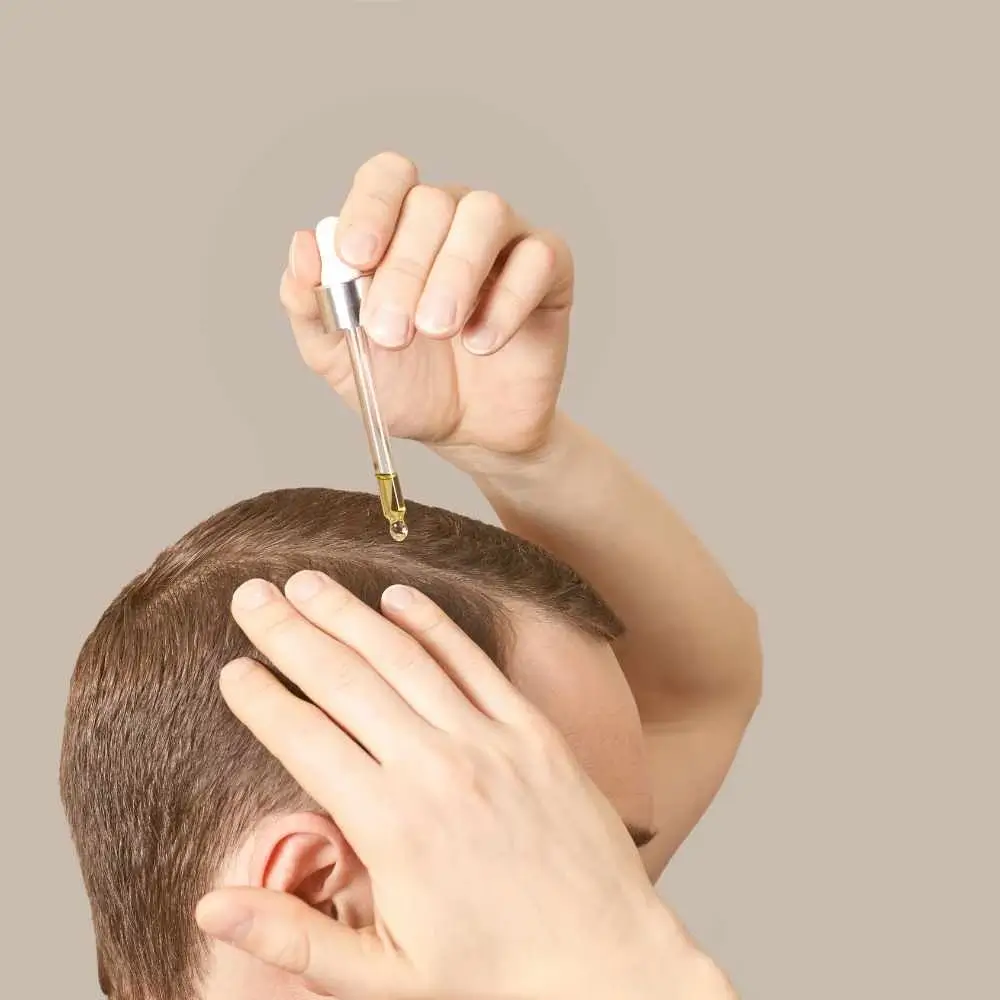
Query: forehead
{"x": 576, "y": 681}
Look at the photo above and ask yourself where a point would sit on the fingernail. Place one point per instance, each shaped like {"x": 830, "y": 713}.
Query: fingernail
{"x": 253, "y": 594}
{"x": 480, "y": 340}
{"x": 358, "y": 247}
{"x": 390, "y": 327}
{"x": 436, "y": 314}
{"x": 227, "y": 923}
{"x": 292, "y": 255}
{"x": 304, "y": 585}
{"x": 397, "y": 597}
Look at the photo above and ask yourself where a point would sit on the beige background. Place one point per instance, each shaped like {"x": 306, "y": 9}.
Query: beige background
{"x": 786, "y": 220}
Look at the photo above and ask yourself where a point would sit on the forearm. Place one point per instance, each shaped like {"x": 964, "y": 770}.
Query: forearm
{"x": 690, "y": 638}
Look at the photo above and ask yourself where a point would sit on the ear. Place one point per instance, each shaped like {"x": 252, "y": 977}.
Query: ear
{"x": 305, "y": 854}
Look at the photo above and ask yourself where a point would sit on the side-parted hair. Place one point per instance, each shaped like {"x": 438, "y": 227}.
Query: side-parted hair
{"x": 160, "y": 782}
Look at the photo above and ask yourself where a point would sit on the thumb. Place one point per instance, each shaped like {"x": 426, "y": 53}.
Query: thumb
{"x": 285, "y": 932}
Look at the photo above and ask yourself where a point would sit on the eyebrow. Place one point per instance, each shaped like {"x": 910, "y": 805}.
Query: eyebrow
{"x": 640, "y": 835}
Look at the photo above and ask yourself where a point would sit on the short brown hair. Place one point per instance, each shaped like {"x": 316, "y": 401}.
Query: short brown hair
{"x": 159, "y": 781}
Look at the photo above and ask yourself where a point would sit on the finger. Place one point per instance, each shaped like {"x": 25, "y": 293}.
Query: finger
{"x": 536, "y": 275}
{"x": 324, "y": 352}
{"x": 396, "y": 656}
{"x": 304, "y": 265}
{"x": 286, "y": 933}
{"x": 457, "y": 191}
{"x": 368, "y": 217}
{"x": 483, "y": 226}
{"x": 478, "y": 678}
{"x": 422, "y": 227}
{"x": 330, "y": 674}
{"x": 321, "y": 757}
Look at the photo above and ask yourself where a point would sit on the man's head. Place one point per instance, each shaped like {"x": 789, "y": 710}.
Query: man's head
{"x": 167, "y": 794}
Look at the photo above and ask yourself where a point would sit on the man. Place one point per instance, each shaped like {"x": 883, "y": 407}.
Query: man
{"x": 436, "y": 731}
{"x": 652, "y": 683}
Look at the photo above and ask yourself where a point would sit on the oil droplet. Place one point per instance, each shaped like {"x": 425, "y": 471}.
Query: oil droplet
{"x": 398, "y": 531}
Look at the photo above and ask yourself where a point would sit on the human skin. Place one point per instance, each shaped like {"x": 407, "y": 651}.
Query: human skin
{"x": 562, "y": 906}
{"x": 572, "y": 679}
{"x": 481, "y": 390}
{"x": 657, "y": 719}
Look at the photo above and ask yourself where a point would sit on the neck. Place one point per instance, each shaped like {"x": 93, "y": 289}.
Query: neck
{"x": 235, "y": 976}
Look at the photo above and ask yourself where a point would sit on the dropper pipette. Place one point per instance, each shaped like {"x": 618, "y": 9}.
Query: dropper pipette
{"x": 340, "y": 294}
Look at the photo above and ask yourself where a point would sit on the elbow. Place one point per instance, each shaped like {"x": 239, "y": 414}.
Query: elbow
{"x": 754, "y": 660}
{"x": 748, "y": 678}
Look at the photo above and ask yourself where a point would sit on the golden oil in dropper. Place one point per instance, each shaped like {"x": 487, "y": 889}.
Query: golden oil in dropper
{"x": 393, "y": 505}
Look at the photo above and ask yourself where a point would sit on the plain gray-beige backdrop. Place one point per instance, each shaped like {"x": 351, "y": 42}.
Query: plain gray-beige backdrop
{"x": 786, "y": 221}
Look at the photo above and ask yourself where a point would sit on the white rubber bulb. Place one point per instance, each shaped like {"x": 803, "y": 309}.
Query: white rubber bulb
{"x": 333, "y": 271}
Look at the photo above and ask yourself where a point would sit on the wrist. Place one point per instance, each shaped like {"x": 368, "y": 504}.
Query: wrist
{"x": 660, "y": 963}
{"x": 663, "y": 955}
{"x": 674, "y": 968}
{"x": 512, "y": 473}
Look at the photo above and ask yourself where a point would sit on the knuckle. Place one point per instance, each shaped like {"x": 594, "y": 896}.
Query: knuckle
{"x": 388, "y": 165}
{"x": 250, "y": 678}
{"x": 320, "y": 360}
{"x": 336, "y": 600}
{"x": 299, "y": 303}
{"x": 488, "y": 205}
{"x": 402, "y": 266}
{"x": 555, "y": 252}
{"x": 454, "y": 267}
{"x": 279, "y": 624}
{"x": 449, "y": 769}
{"x": 334, "y": 672}
{"x": 513, "y": 303}
{"x": 287, "y": 299}
{"x": 290, "y": 952}
{"x": 424, "y": 617}
{"x": 544, "y": 739}
{"x": 504, "y": 760}
{"x": 560, "y": 248}
{"x": 430, "y": 620}
{"x": 392, "y": 162}
{"x": 377, "y": 206}
{"x": 410, "y": 656}
{"x": 338, "y": 680}
{"x": 544, "y": 256}
{"x": 426, "y": 199}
